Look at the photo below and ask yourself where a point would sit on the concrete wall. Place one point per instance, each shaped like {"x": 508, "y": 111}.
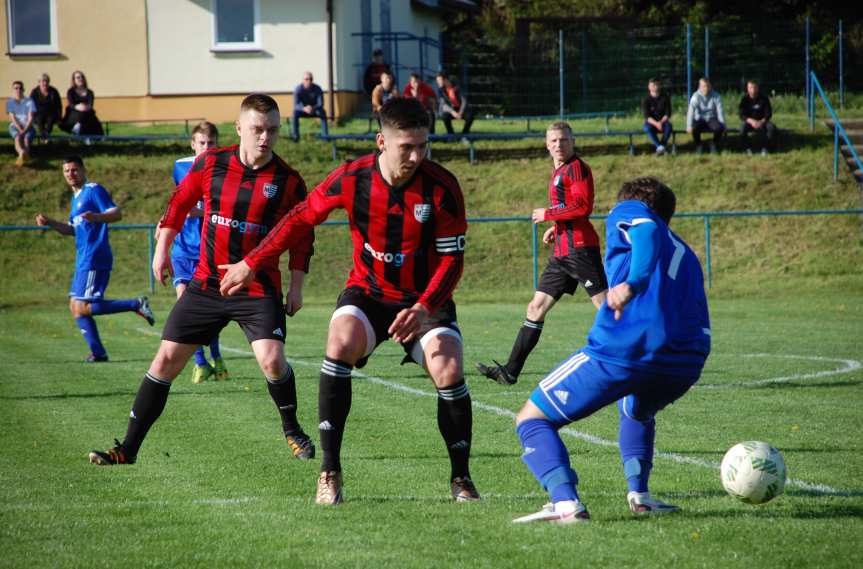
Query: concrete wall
{"x": 112, "y": 56}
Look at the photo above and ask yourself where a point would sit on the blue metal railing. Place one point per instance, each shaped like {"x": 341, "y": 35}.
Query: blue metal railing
{"x": 706, "y": 216}
{"x": 838, "y": 129}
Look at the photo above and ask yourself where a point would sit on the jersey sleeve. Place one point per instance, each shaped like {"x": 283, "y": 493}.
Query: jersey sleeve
{"x": 579, "y": 202}
{"x": 450, "y": 230}
{"x": 184, "y": 198}
{"x": 644, "y": 238}
{"x": 294, "y": 227}
{"x": 301, "y": 253}
{"x": 102, "y": 198}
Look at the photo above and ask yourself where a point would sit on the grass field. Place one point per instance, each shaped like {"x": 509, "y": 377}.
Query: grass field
{"x": 215, "y": 485}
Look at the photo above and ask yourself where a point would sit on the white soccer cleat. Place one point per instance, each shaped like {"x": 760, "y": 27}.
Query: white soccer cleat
{"x": 566, "y": 512}
{"x": 644, "y": 503}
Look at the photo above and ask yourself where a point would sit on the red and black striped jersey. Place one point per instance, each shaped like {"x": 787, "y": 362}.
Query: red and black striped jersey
{"x": 408, "y": 241}
{"x": 241, "y": 206}
{"x": 570, "y": 193}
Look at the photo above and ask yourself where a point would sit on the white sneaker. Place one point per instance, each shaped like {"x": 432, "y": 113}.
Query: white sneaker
{"x": 566, "y": 512}
{"x": 644, "y": 503}
{"x": 764, "y": 152}
{"x": 660, "y": 150}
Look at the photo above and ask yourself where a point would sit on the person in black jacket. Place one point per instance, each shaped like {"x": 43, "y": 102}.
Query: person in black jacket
{"x": 755, "y": 112}
{"x": 80, "y": 118}
{"x": 48, "y": 106}
{"x": 656, "y": 107}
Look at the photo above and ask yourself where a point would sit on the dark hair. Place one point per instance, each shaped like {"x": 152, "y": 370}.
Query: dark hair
{"x": 655, "y": 81}
{"x": 417, "y": 75}
{"x": 401, "y": 113}
{"x": 206, "y": 128}
{"x": 83, "y": 78}
{"x": 16, "y": 82}
{"x": 652, "y": 192}
{"x": 753, "y": 82}
{"x": 74, "y": 159}
{"x": 259, "y": 102}
{"x": 378, "y": 51}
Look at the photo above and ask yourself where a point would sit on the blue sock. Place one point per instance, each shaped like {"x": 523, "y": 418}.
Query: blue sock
{"x": 547, "y": 457}
{"x": 215, "y": 352}
{"x": 636, "y": 449}
{"x": 91, "y": 335}
{"x": 200, "y": 358}
{"x": 113, "y": 306}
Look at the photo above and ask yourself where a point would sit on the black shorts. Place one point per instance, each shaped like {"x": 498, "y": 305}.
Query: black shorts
{"x": 200, "y": 315}
{"x": 380, "y": 316}
{"x": 562, "y": 274}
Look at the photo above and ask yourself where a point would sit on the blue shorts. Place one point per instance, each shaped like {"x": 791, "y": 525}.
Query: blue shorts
{"x": 13, "y": 132}
{"x": 89, "y": 284}
{"x": 184, "y": 270}
{"x": 581, "y": 385}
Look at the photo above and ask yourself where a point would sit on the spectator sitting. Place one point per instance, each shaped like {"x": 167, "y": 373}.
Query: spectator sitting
{"x": 49, "y": 109}
{"x": 20, "y": 110}
{"x": 372, "y": 75}
{"x": 383, "y": 92}
{"x": 80, "y": 117}
{"x": 453, "y": 105}
{"x": 656, "y": 107}
{"x": 308, "y": 102}
{"x": 705, "y": 115}
{"x": 422, "y": 91}
{"x": 755, "y": 112}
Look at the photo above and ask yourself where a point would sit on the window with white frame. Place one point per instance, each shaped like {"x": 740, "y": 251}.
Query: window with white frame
{"x": 236, "y": 25}
{"x": 32, "y": 26}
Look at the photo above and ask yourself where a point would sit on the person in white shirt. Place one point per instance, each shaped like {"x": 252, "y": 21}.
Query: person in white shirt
{"x": 20, "y": 109}
{"x": 705, "y": 115}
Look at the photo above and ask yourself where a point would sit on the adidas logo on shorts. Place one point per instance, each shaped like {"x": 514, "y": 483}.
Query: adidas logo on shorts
{"x": 278, "y": 332}
{"x": 562, "y": 395}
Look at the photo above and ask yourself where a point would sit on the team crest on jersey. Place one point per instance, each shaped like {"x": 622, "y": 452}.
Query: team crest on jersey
{"x": 556, "y": 180}
{"x": 422, "y": 211}
{"x": 270, "y": 190}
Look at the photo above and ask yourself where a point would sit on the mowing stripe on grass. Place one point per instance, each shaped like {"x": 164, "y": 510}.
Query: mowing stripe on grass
{"x": 814, "y": 488}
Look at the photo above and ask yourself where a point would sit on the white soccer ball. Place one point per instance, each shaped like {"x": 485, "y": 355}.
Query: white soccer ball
{"x": 753, "y": 472}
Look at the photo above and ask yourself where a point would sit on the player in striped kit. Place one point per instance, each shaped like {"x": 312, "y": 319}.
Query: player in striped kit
{"x": 246, "y": 190}
{"x": 407, "y": 223}
{"x": 576, "y": 257}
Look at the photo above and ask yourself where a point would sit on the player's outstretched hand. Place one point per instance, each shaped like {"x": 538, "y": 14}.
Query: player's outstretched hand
{"x": 293, "y": 302}
{"x": 408, "y": 323}
{"x": 538, "y": 215}
{"x": 548, "y": 236}
{"x": 41, "y": 220}
{"x": 89, "y": 216}
{"x": 162, "y": 266}
{"x": 237, "y": 277}
{"x": 617, "y": 298}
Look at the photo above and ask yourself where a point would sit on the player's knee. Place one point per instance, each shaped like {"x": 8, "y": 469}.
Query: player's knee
{"x": 636, "y": 410}
{"x": 446, "y": 375}
{"x": 273, "y": 365}
{"x": 79, "y": 308}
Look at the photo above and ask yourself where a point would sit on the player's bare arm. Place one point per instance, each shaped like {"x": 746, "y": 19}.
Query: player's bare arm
{"x": 43, "y": 220}
{"x": 162, "y": 255}
{"x": 107, "y": 216}
{"x": 408, "y": 322}
{"x": 294, "y": 297}
{"x": 548, "y": 236}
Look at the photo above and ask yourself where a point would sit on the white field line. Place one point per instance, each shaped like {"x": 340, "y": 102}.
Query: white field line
{"x": 592, "y": 439}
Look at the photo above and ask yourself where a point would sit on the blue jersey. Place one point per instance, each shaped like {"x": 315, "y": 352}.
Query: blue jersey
{"x": 188, "y": 241}
{"x": 666, "y": 327}
{"x": 93, "y": 251}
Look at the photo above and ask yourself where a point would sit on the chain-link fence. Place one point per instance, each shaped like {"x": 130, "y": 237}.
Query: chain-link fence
{"x": 548, "y": 68}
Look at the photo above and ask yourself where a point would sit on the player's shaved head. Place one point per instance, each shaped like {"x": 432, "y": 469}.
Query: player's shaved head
{"x": 658, "y": 197}
{"x": 561, "y": 126}
{"x": 74, "y": 159}
{"x": 259, "y": 102}
{"x": 206, "y": 128}
{"x": 403, "y": 113}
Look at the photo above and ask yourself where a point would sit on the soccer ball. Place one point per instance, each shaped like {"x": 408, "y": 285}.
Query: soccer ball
{"x": 753, "y": 472}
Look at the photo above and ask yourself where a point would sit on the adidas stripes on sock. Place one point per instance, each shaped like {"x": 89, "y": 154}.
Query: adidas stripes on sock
{"x": 148, "y": 405}
{"x": 284, "y": 394}
{"x": 455, "y": 421}
{"x": 547, "y": 458}
{"x": 528, "y": 336}
{"x": 334, "y": 404}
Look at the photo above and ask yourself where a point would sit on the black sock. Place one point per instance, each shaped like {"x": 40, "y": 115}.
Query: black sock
{"x": 284, "y": 394}
{"x": 526, "y": 340}
{"x": 455, "y": 421}
{"x": 334, "y": 404}
{"x": 148, "y": 405}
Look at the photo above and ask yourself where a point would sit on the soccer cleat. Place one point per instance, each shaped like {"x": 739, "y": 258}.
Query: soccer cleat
{"x": 144, "y": 310}
{"x": 94, "y": 359}
{"x": 497, "y": 372}
{"x": 566, "y": 512}
{"x": 201, "y": 374}
{"x": 643, "y": 503}
{"x": 329, "y": 488}
{"x": 301, "y": 445}
{"x": 463, "y": 489}
{"x": 219, "y": 369}
{"x": 111, "y": 456}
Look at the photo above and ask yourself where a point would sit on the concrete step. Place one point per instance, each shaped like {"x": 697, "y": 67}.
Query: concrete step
{"x": 847, "y": 124}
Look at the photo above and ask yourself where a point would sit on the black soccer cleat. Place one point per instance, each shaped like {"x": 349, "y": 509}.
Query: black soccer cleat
{"x": 112, "y": 456}
{"x": 301, "y": 445}
{"x": 498, "y": 373}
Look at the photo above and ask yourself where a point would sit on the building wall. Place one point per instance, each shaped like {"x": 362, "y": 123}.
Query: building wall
{"x": 106, "y": 39}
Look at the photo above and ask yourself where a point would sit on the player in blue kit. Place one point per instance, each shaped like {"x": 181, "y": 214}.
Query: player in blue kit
{"x": 646, "y": 348}
{"x": 92, "y": 210}
{"x": 187, "y": 250}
